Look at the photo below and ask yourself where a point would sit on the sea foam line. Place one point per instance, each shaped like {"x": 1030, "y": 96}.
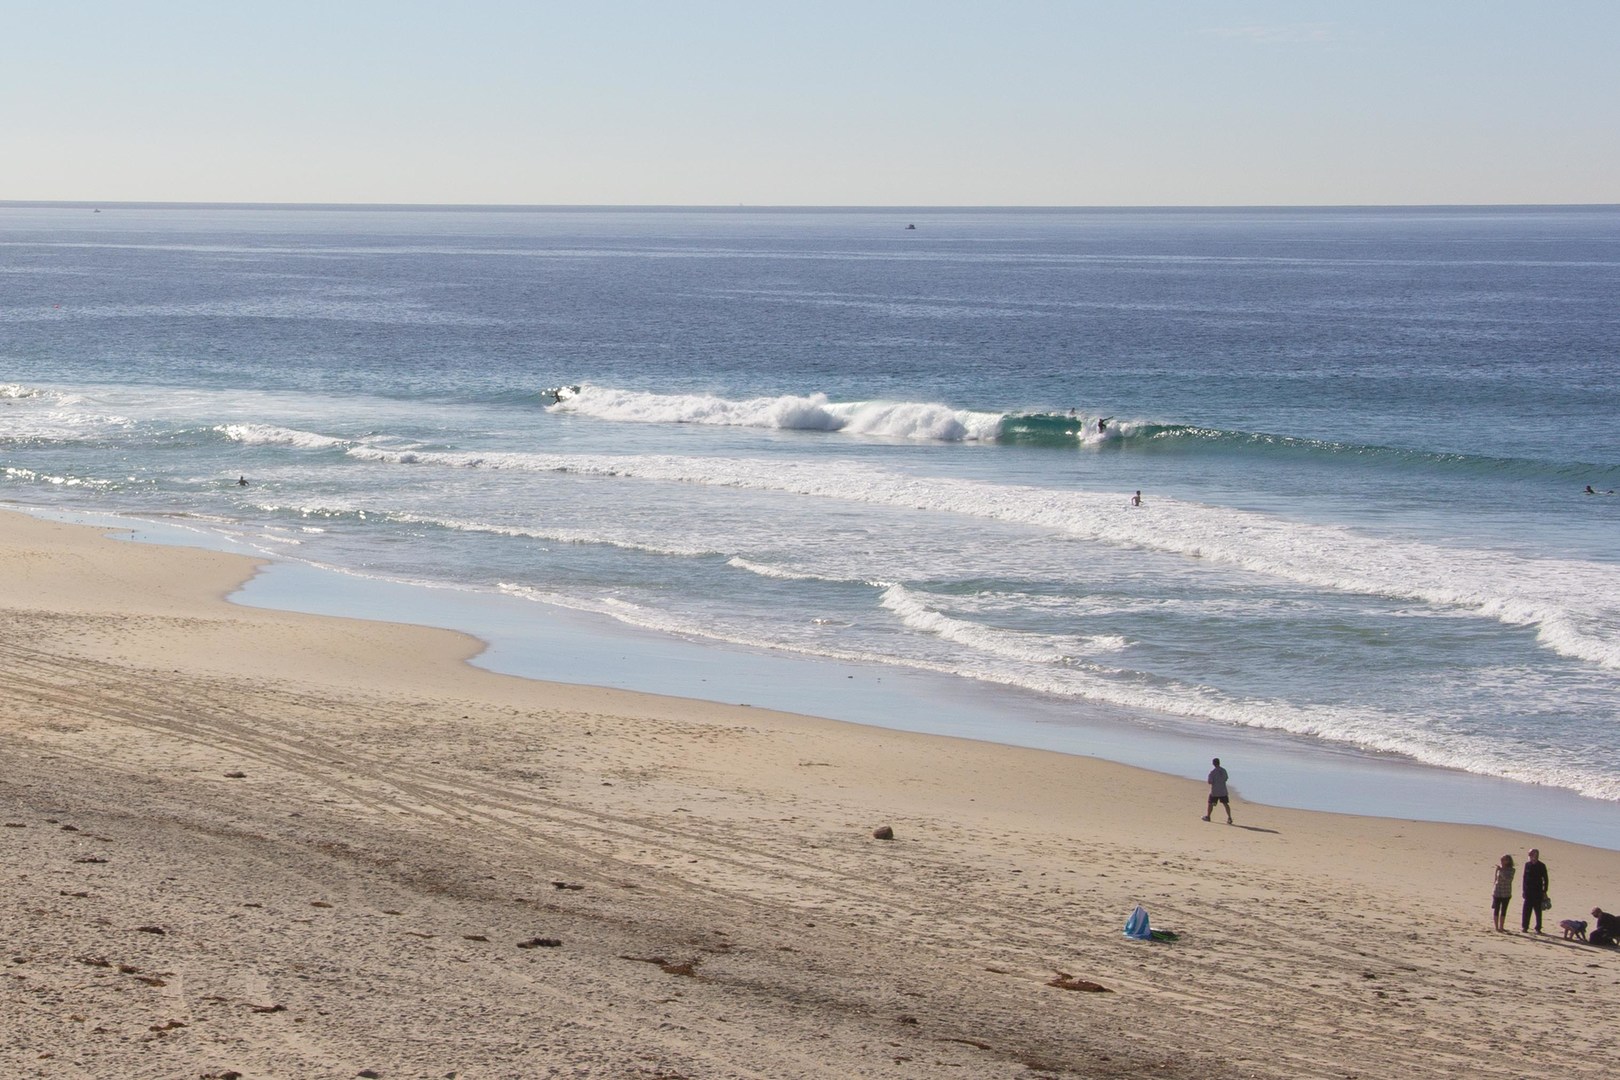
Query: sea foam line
{"x": 1573, "y": 606}
{"x": 1009, "y": 644}
{"x": 30, "y": 476}
{"x": 1365, "y": 728}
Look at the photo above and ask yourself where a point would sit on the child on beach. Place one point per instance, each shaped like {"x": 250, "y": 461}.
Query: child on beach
{"x": 1503, "y": 892}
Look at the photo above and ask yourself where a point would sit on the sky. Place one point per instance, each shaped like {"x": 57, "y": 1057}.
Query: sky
{"x": 812, "y": 102}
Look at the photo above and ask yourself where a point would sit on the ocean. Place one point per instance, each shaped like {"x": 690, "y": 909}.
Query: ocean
{"x": 711, "y": 451}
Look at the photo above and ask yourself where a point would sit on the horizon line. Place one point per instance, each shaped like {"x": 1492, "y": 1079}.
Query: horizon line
{"x": 131, "y": 204}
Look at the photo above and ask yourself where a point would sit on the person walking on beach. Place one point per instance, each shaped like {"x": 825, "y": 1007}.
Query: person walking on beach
{"x": 1217, "y": 791}
{"x": 1503, "y": 893}
{"x": 1534, "y": 889}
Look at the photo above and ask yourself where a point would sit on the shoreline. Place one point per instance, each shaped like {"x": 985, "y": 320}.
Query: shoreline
{"x": 557, "y": 645}
{"x": 243, "y": 840}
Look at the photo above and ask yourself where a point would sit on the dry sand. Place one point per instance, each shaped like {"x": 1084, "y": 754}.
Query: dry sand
{"x": 243, "y": 842}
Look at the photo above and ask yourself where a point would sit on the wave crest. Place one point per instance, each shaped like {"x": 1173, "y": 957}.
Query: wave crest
{"x": 788, "y": 412}
{"x": 1012, "y": 644}
{"x": 19, "y": 392}
{"x": 270, "y": 435}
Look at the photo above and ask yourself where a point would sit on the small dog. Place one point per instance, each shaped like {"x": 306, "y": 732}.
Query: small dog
{"x": 1574, "y": 929}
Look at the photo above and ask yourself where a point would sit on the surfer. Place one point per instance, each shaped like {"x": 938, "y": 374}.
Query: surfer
{"x": 1136, "y": 500}
{"x": 241, "y": 481}
{"x": 1102, "y": 424}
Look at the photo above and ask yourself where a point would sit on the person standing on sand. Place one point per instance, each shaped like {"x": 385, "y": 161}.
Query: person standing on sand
{"x": 1503, "y": 892}
{"x": 1217, "y": 791}
{"x": 1534, "y": 889}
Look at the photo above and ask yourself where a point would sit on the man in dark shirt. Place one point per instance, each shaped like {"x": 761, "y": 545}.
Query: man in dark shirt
{"x": 1217, "y": 791}
{"x": 1534, "y": 886}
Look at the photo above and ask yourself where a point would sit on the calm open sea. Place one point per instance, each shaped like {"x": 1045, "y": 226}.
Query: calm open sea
{"x": 1361, "y": 437}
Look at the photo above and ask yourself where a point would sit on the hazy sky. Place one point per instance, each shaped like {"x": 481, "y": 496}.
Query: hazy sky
{"x": 1016, "y": 102}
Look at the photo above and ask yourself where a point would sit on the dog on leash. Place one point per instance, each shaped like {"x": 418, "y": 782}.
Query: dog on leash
{"x": 1574, "y": 929}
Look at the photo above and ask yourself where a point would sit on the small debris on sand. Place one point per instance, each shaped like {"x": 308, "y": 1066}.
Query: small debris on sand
{"x": 1065, "y": 981}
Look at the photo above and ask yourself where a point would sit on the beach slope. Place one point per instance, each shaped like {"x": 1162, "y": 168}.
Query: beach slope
{"x": 259, "y": 844}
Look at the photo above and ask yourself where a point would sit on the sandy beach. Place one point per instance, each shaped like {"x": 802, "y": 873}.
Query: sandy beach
{"x": 247, "y": 843}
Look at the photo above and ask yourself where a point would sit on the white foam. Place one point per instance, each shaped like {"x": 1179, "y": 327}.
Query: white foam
{"x": 895, "y": 420}
{"x": 622, "y": 542}
{"x": 778, "y": 572}
{"x": 45, "y": 395}
{"x": 270, "y": 435}
{"x": 53, "y": 480}
{"x": 1573, "y": 605}
{"x": 46, "y": 415}
{"x": 1009, "y": 644}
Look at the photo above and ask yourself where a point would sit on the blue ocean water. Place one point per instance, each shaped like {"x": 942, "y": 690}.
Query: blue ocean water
{"x": 1361, "y": 437}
